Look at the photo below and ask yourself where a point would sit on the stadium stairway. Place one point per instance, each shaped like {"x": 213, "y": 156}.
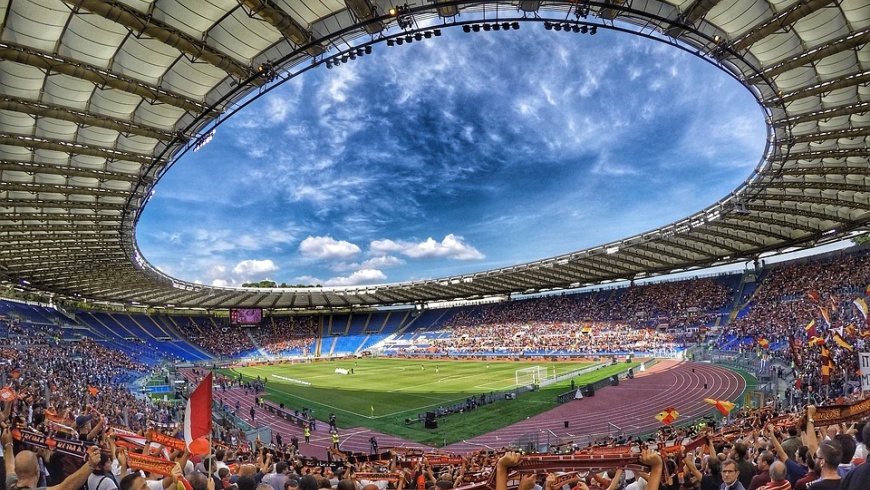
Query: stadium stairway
{"x": 260, "y": 350}
{"x": 170, "y": 326}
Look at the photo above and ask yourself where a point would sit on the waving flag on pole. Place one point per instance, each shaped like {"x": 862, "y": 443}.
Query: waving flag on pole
{"x": 826, "y": 316}
{"x": 667, "y": 416}
{"x": 839, "y": 340}
{"x": 862, "y": 307}
{"x": 197, "y": 418}
{"x": 811, "y": 329}
{"x": 826, "y": 366}
{"x": 724, "y": 406}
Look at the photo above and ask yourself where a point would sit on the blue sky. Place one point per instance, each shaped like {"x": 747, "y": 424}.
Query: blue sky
{"x": 454, "y": 155}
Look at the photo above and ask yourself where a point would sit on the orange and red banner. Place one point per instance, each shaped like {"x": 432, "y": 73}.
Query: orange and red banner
{"x": 150, "y": 464}
{"x": 167, "y": 441}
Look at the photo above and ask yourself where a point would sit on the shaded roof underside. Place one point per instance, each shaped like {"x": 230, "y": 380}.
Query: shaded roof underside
{"x": 99, "y": 97}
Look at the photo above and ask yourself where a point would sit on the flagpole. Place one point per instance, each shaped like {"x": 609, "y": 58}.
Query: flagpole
{"x": 210, "y": 459}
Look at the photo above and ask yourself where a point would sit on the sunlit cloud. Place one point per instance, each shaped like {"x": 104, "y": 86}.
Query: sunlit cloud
{"x": 451, "y": 247}
{"x": 327, "y": 248}
{"x": 252, "y": 268}
{"x": 364, "y": 276}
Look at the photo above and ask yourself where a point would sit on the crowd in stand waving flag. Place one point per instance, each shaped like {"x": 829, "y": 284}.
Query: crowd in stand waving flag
{"x": 68, "y": 422}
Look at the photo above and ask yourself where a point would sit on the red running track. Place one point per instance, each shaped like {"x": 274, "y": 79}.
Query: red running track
{"x": 631, "y": 406}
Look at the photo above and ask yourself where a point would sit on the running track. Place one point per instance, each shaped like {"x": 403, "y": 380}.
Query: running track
{"x": 632, "y": 406}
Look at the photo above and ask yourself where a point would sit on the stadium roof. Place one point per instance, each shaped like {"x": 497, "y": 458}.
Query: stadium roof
{"x": 99, "y": 98}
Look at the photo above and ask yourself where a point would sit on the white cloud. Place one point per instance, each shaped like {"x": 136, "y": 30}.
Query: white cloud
{"x": 451, "y": 247}
{"x": 364, "y": 276}
{"x": 266, "y": 113}
{"x": 382, "y": 262}
{"x": 249, "y": 268}
{"x": 326, "y": 248}
{"x": 221, "y": 283}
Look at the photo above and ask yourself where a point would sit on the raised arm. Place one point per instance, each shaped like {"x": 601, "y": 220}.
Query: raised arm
{"x": 77, "y": 480}
{"x": 652, "y": 459}
{"x": 504, "y": 464}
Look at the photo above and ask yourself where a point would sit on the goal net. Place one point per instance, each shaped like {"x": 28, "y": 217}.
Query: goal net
{"x": 530, "y": 375}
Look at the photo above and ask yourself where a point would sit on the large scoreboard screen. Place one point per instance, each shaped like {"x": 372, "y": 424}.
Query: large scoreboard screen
{"x": 246, "y": 316}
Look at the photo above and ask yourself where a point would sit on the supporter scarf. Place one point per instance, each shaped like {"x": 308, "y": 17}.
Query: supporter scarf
{"x": 63, "y": 446}
{"x": 165, "y": 440}
{"x": 150, "y": 464}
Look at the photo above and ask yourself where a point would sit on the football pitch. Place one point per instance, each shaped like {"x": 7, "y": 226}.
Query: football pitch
{"x": 388, "y": 387}
{"x": 388, "y": 394}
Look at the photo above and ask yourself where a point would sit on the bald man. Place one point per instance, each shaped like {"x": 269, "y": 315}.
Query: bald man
{"x": 22, "y": 471}
{"x": 778, "y": 481}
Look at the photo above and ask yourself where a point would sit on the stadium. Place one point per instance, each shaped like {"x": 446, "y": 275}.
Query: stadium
{"x": 101, "y": 98}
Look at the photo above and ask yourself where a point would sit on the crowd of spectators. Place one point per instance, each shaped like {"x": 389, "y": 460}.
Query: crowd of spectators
{"x": 568, "y": 338}
{"x": 692, "y": 301}
{"x": 15, "y": 332}
{"x": 799, "y": 302}
{"x": 72, "y": 389}
{"x": 275, "y": 336}
{"x": 290, "y": 334}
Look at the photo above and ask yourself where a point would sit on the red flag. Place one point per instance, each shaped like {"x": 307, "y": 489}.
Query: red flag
{"x": 815, "y": 296}
{"x": 811, "y": 329}
{"x": 763, "y": 342}
{"x": 197, "y": 415}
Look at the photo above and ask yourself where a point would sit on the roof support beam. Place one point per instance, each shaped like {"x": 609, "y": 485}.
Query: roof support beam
{"x": 47, "y": 168}
{"x": 148, "y": 26}
{"x": 650, "y": 248}
{"x": 62, "y": 189}
{"x": 850, "y": 41}
{"x": 36, "y": 143}
{"x": 832, "y": 135}
{"x": 824, "y": 114}
{"x": 695, "y": 12}
{"x": 828, "y": 170}
{"x": 819, "y": 89}
{"x": 52, "y": 62}
{"x": 780, "y": 22}
{"x": 636, "y": 252}
{"x": 781, "y": 211}
{"x": 41, "y": 109}
{"x": 820, "y": 186}
{"x": 286, "y": 25}
{"x": 838, "y": 154}
{"x": 753, "y": 231}
{"x": 95, "y": 205}
{"x": 680, "y": 241}
{"x": 708, "y": 230}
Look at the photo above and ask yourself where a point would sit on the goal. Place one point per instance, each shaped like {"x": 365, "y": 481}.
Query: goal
{"x": 530, "y": 375}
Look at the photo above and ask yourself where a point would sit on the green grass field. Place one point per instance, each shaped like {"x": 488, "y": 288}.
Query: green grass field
{"x": 383, "y": 393}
